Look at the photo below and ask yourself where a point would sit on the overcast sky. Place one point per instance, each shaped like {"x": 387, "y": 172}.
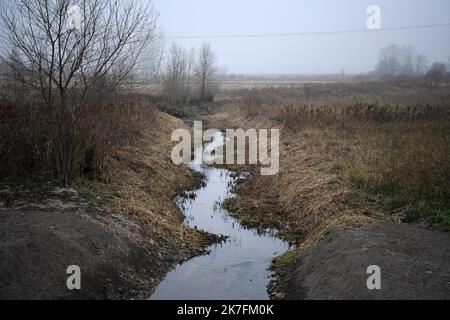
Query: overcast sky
{"x": 328, "y": 53}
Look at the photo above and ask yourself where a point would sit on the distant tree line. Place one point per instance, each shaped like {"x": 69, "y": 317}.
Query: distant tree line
{"x": 404, "y": 61}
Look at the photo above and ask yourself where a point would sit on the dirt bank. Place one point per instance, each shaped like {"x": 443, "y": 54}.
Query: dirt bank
{"x": 124, "y": 232}
{"x": 414, "y": 263}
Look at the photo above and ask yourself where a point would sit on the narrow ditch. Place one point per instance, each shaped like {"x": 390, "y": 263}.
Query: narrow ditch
{"x": 234, "y": 269}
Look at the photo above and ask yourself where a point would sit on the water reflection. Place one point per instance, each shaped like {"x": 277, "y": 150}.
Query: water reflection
{"x": 234, "y": 269}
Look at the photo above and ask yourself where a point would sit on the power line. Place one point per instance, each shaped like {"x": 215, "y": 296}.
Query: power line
{"x": 299, "y": 34}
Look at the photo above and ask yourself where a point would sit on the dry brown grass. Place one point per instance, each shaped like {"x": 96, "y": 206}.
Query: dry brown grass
{"x": 400, "y": 150}
{"x": 142, "y": 182}
{"x": 297, "y": 117}
{"x": 345, "y": 94}
{"x": 307, "y": 198}
{"x": 342, "y": 164}
{"x": 251, "y": 105}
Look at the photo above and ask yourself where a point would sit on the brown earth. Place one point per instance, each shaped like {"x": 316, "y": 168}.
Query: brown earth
{"x": 414, "y": 264}
{"x": 125, "y": 232}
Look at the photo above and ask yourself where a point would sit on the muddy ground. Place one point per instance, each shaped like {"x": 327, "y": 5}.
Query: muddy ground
{"x": 414, "y": 263}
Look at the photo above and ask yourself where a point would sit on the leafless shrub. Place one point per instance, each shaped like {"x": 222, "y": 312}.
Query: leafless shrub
{"x": 24, "y": 138}
{"x": 177, "y": 79}
{"x": 436, "y": 74}
{"x": 251, "y": 105}
{"x": 187, "y": 78}
{"x": 27, "y": 147}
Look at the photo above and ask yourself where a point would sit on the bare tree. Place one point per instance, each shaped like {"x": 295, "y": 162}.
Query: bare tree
{"x": 205, "y": 70}
{"x": 177, "y": 76}
{"x": 71, "y": 67}
{"x": 436, "y": 74}
{"x": 11, "y": 74}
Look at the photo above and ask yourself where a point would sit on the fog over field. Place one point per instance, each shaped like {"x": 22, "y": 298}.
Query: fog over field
{"x": 305, "y": 54}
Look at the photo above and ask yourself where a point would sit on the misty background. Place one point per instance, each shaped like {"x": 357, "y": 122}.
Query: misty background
{"x": 191, "y": 23}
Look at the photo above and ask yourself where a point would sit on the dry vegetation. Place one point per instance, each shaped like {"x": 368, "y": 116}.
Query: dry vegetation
{"x": 342, "y": 162}
{"x": 123, "y": 160}
{"x": 28, "y": 148}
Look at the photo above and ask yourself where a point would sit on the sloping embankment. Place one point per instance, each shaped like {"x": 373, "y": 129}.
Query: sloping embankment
{"x": 337, "y": 230}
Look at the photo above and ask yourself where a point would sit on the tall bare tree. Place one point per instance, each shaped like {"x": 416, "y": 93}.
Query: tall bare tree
{"x": 71, "y": 54}
{"x": 177, "y": 75}
{"x": 205, "y": 70}
{"x": 436, "y": 74}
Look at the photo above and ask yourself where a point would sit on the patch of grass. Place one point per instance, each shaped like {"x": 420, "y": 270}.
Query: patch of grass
{"x": 227, "y": 205}
{"x": 96, "y": 203}
{"x": 29, "y": 142}
{"x": 250, "y": 216}
{"x": 288, "y": 236}
{"x": 339, "y": 166}
{"x": 327, "y": 236}
{"x": 6, "y": 184}
{"x": 289, "y": 259}
{"x": 431, "y": 214}
{"x": 246, "y": 216}
{"x": 373, "y": 210}
{"x": 403, "y": 164}
{"x": 116, "y": 194}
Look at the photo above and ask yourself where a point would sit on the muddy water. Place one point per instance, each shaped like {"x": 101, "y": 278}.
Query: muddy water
{"x": 235, "y": 269}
